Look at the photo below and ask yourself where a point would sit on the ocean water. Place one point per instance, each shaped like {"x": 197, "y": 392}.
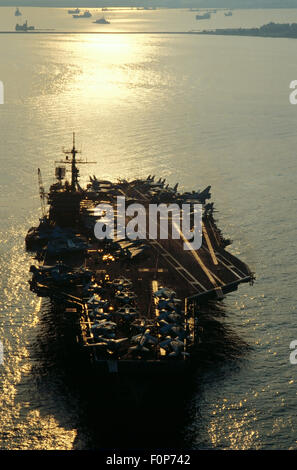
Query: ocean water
{"x": 199, "y": 110}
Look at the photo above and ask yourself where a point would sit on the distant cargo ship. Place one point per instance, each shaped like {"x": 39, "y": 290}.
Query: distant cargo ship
{"x": 198, "y": 9}
{"x": 86, "y": 14}
{"x": 101, "y": 21}
{"x": 74, "y": 12}
{"x": 24, "y": 27}
{"x": 205, "y": 16}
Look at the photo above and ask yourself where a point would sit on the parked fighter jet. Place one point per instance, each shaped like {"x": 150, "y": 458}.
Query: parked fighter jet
{"x": 172, "y": 330}
{"x": 110, "y": 344}
{"x": 97, "y": 302}
{"x": 199, "y": 196}
{"x": 171, "y": 344}
{"x": 170, "y": 304}
{"x": 209, "y": 208}
{"x": 59, "y": 274}
{"x": 164, "y": 292}
{"x": 104, "y": 328}
{"x": 150, "y": 178}
{"x": 127, "y": 312}
{"x": 125, "y": 296}
{"x": 144, "y": 338}
{"x": 205, "y": 194}
{"x": 174, "y": 347}
{"x": 138, "y": 350}
{"x": 174, "y": 317}
{"x": 122, "y": 283}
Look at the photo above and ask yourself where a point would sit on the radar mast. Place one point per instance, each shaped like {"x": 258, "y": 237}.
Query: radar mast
{"x": 73, "y": 161}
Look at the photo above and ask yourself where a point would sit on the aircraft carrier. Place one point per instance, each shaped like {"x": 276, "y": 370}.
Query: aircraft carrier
{"x": 134, "y": 302}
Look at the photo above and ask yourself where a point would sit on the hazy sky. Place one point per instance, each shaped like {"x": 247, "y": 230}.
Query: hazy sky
{"x": 165, "y": 3}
